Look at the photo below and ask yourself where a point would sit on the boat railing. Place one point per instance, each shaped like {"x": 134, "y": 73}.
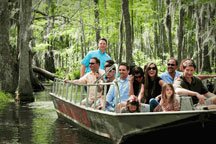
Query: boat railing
{"x": 75, "y": 92}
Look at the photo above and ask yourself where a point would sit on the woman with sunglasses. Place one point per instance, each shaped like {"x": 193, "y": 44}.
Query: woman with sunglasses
{"x": 152, "y": 85}
{"x": 136, "y": 80}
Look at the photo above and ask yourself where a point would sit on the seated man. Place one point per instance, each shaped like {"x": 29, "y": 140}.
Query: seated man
{"x": 171, "y": 74}
{"x": 190, "y": 85}
{"x": 90, "y": 78}
{"x": 110, "y": 75}
{"x": 123, "y": 84}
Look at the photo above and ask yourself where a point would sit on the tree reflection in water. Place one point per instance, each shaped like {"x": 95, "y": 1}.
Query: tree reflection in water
{"x": 38, "y": 123}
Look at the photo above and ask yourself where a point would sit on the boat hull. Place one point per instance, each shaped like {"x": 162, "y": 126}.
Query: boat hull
{"x": 116, "y": 126}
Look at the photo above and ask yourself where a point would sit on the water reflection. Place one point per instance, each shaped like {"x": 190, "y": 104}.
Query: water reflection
{"x": 37, "y": 123}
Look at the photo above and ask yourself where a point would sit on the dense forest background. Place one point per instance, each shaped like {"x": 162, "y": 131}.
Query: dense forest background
{"x": 56, "y": 34}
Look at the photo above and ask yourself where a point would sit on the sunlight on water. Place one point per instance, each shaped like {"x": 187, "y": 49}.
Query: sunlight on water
{"x": 42, "y": 105}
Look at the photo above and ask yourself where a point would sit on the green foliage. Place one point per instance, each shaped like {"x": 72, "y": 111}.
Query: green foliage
{"x": 5, "y": 98}
{"x": 69, "y": 26}
{"x": 41, "y": 47}
{"x": 65, "y": 74}
{"x": 60, "y": 72}
{"x": 141, "y": 59}
{"x": 76, "y": 74}
{"x": 13, "y": 35}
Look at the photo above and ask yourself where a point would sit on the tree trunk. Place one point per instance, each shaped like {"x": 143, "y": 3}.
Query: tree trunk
{"x": 180, "y": 32}
{"x": 49, "y": 62}
{"x": 119, "y": 58}
{"x": 8, "y": 74}
{"x": 169, "y": 27}
{"x": 24, "y": 91}
{"x": 206, "y": 60}
{"x": 206, "y": 66}
{"x": 83, "y": 45}
{"x": 126, "y": 14}
{"x": 44, "y": 73}
{"x": 96, "y": 12}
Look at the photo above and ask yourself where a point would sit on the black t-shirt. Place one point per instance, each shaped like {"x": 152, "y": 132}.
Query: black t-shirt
{"x": 196, "y": 85}
{"x": 137, "y": 87}
{"x": 154, "y": 89}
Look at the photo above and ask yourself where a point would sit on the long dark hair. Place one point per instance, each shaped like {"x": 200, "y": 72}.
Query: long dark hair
{"x": 148, "y": 79}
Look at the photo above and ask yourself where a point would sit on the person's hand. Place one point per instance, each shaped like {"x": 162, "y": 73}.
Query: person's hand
{"x": 131, "y": 78}
{"x": 201, "y": 98}
{"x": 97, "y": 75}
{"x": 66, "y": 80}
{"x": 158, "y": 97}
{"x": 132, "y": 97}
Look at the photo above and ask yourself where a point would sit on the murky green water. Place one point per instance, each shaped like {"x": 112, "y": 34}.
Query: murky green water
{"x": 37, "y": 123}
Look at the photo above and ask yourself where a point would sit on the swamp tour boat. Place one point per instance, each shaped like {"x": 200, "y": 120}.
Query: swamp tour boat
{"x": 115, "y": 126}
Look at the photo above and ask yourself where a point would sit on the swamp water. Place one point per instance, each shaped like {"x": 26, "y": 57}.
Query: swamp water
{"x": 37, "y": 123}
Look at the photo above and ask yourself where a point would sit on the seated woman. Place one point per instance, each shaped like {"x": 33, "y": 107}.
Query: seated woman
{"x": 136, "y": 80}
{"x": 152, "y": 84}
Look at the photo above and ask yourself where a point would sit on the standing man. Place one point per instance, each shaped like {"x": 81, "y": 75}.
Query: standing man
{"x": 100, "y": 54}
{"x": 171, "y": 74}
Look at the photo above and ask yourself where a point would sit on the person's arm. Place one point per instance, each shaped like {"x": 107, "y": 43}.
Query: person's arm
{"x": 110, "y": 94}
{"x": 209, "y": 94}
{"x": 81, "y": 80}
{"x": 182, "y": 91}
{"x": 141, "y": 93}
{"x": 82, "y": 70}
{"x": 158, "y": 97}
{"x": 131, "y": 88}
{"x": 161, "y": 82}
{"x": 202, "y": 77}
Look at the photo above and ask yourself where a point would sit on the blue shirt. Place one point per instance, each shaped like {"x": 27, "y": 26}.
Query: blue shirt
{"x": 166, "y": 77}
{"x": 111, "y": 95}
{"x": 103, "y": 57}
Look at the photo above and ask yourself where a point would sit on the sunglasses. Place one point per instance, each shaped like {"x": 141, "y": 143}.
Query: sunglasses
{"x": 137, "y": 76}
{"x": 153, "y": 68}
{"x": 170, "y": 64}
{"x": 91, "y": 63}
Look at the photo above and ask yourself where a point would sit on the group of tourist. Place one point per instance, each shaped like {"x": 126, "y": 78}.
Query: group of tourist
{"x": 144, "y": 89}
